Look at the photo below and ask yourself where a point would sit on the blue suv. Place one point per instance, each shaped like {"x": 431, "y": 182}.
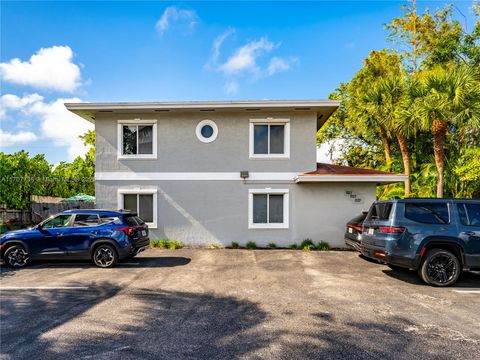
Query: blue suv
{"x": 100, "y": 235}
{"x": 436, "y": 237}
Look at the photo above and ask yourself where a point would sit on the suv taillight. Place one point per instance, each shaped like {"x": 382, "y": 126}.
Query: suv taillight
{"x": 358, "y": 228}
{"x": 129, "y": 230}
{"x": 392, "y": 229}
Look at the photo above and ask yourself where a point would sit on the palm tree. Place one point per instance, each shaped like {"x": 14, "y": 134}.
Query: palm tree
{"x": 447, "y": 97}
{"x": 387, "y": 99}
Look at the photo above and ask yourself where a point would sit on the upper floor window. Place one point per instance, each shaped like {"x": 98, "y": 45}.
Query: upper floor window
{"x": 207, "y": 131}
{"x": 270, "y": 138}
{"x": 137, "y": 139}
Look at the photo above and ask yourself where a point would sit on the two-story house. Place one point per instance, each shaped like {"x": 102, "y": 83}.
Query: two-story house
{"x": 217, "y": 172}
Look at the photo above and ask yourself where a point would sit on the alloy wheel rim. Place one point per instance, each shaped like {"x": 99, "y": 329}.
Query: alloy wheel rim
{"x": 17, "y": 257}
{"x": 104, "y": 256}
{"x": 442, "y": 268}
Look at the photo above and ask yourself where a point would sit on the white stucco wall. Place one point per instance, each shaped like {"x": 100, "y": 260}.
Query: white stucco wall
{"x": 206, "y": 212}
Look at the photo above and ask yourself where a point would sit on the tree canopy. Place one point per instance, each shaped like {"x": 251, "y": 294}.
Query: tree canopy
{"x": 23, "y": 176}
{"x": 414, "y": 109}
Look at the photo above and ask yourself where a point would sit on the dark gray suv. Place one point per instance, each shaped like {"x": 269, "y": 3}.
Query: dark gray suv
{"x": 436, "y": 237}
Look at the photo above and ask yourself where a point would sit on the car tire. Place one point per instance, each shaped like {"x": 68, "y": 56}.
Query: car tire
{"x": 397, "y": 268}
{"x": 105, "y": 256}
{"x": 440, "y": 268}
{"x": 16, "y": 256}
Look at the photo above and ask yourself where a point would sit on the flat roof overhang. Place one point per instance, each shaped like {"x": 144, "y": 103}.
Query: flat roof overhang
{"x": 379, "y": 179}
{"x": 323, "y": 108}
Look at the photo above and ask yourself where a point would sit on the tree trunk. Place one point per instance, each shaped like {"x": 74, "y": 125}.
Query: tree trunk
{"x": 402, "y": 142}
{"x": 439, "y": 130}
{"x": 386, "y": 147}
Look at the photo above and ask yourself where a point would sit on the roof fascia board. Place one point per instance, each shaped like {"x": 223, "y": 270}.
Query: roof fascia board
{"x": 351, "y": 178}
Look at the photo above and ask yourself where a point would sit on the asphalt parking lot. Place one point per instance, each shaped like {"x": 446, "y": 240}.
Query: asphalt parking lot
{"x": 224, "y": 304}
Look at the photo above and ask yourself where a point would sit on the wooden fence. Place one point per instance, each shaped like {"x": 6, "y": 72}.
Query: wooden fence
{"x": 38, "y": 212}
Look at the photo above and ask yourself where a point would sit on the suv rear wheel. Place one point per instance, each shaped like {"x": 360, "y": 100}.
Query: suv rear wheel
{"x": 440, "y": 268}
{"x": 105, "y": 256}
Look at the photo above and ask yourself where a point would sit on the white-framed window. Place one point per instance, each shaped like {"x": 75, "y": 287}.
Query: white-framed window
{"x": 141, "y": 201}
{"x": 206, "y": 131}
{"x": 269, "y": 138}
{"x": 137, "y": 139}
{"x": 268, "y": 209}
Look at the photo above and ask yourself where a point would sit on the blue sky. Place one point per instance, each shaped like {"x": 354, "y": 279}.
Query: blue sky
{"x": 165, "y": 51}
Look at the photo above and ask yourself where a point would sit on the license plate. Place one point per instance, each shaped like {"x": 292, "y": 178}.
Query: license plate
{"x": 350, "y": 230}
{"x": 144, "y": 233}
{"x": 371, "y": 231}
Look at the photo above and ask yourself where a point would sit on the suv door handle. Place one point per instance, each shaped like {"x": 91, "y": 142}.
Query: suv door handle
{"x": 468, "y": 233}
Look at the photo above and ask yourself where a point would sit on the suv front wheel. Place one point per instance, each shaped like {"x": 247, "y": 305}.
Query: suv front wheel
{"x": 16, "y": 256}
{"x": 440, "y": 268}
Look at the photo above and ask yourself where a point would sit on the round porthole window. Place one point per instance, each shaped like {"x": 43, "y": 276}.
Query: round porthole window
{"x": 207, "y": 131}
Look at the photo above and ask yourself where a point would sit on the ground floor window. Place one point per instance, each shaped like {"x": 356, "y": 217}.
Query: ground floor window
{"x": 268, "y": 209}
{"x": 143, "y": 202}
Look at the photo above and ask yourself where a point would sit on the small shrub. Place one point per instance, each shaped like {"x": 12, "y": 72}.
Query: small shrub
{"x": 175, "y": 244}
{"x": 306, "y": 243}
{"x": 308, "y": 247}
{"x": 251, "y": 245}
{"x": 160, "y": 244}
{"x": 323, "y": 246}
{"x": 235, "y": 245}
{"x": 272, "y": 246}
{"x": 293, "y": 246}
{"x": 155, "y": 244}
{"x": 214, "y": 246}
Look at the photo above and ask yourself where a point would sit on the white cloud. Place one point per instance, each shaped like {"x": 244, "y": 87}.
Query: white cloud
{"x": 251, "y": 60}
{"x": 62, "y": 126}
{"x": 329, "y": 151}
{"x": 278, "y": 64}
{"x": 49, "y": 68}
{"x": 216, "y": 46}
{"x": 56, "y": 123}
{"x": 10, "y": 139}
{"x": 10, "y": 102}
{"x": 171, "y": 14}
{"x": 231, "y": 87}
{"x": 244, "y": 59}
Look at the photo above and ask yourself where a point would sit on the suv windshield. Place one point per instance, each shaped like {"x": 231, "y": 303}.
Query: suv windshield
{"x": 380, "y": 211}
